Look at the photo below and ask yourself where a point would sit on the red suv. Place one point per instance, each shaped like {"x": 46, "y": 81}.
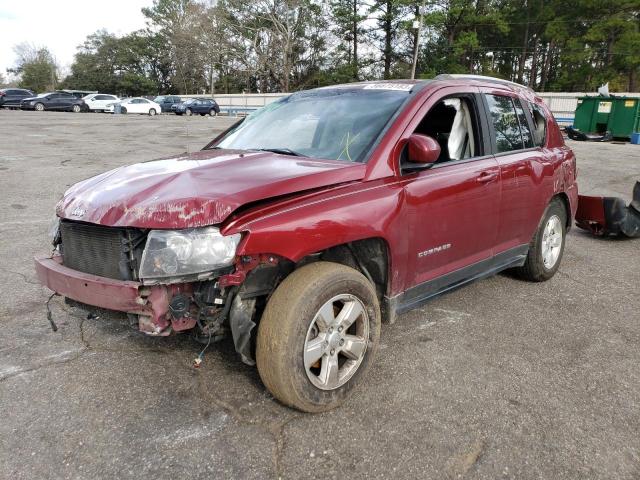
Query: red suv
{"x": 303, "y": 226}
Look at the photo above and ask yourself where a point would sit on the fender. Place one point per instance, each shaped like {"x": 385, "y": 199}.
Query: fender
{"x": 354, "y": 212}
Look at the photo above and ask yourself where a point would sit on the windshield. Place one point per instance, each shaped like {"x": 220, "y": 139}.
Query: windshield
{"x": 331, "y": 123}
{"x": 158, "y": 99}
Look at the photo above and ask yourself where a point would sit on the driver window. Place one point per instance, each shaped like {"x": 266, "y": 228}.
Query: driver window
{"x": 453, "y": 124}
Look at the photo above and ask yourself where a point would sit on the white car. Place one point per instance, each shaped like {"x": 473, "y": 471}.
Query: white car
{"x": 97, "y": 102}
{"x": 136, "y": 105}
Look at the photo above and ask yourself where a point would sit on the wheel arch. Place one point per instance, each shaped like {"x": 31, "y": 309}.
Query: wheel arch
{"x": 564, "y": 200}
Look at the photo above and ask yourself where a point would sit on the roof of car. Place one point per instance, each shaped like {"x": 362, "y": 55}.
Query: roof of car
{"x": 409, "y": 85}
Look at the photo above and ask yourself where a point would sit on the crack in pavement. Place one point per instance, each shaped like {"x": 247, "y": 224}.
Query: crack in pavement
{"x": 275, "y": 429}
{"x": 24, "y": 277}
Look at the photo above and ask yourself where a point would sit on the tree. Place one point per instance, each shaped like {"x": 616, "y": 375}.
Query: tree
{"x": 348, "y": 19}
{"x": 36, "y": 67}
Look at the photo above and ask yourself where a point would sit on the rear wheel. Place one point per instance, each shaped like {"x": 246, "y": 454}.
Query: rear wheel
{"x": 152, "y": 112}
{"x": 318, "y": 336}
{"x": 39, "y": 107}
{"x": 76, "y": 108}
{"x": 212, "y": 113}
{"x": 547, "y": 246}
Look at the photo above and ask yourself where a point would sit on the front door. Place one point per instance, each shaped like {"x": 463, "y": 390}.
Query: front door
{"x": 452, "y": 206}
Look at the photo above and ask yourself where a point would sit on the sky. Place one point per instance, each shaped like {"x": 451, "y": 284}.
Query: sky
{"x": 62, "y": 25}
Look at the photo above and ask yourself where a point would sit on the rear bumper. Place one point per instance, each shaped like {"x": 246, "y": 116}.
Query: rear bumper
{"x": 123, "y": 296}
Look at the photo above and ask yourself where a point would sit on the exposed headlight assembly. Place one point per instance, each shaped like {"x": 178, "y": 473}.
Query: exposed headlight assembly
{"x": 180, "y": 253}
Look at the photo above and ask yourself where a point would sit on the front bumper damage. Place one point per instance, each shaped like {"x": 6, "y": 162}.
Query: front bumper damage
{"x": 207, "y": 308}
{"x": 605, "y": 216}
{"x": 151, "y": 303}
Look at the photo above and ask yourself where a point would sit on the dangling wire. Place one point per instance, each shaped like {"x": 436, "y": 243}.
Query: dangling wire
{"x": 54, "y": 327}
{"x": 200, "y": 357}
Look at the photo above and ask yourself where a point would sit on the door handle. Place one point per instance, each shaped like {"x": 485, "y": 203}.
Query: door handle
{"x": 486, "y": 177}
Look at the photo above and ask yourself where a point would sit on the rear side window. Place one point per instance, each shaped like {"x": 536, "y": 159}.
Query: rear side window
{"x": 505, "y": 123}
{"x": 527, "y": 137}
{"x": 539, "y": 124}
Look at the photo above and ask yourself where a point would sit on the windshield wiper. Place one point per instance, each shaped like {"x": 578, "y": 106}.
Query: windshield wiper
{"x": 282, "y": 151}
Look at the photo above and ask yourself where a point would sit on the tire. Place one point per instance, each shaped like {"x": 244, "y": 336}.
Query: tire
{"x": 39, "y": 107}
{"x": 188, "y": 112}
{"x": 544, "y": 257}
{"x": 292, "y": 318}
{"x": 76, "y": 108}
{"x": 212, "y": 113}
{"x": 152, "y": 112}
{"x": 123, "y": 110}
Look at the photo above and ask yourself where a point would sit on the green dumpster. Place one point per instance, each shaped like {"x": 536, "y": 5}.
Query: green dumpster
{"x": 624, "y": 117}
{"x": 618, "y": 115}
{"x": 592, "y": 114}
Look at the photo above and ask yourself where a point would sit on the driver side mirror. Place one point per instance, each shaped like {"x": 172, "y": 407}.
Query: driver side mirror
{"x": 423, "y": 149}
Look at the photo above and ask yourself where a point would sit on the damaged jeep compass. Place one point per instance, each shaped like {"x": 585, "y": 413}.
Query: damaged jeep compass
{"x": 301, "y": 228}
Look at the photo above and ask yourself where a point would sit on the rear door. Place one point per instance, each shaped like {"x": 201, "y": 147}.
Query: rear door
{"x": 521, "y": 168}
{"x": 65, "y": 100}
{"x": 13, "y": 96}
{"x": 53, "y": 101}
{"x": 453, "y": 206}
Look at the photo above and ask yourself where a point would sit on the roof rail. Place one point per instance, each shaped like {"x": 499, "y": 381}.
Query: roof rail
{"x": 462, "y": 76}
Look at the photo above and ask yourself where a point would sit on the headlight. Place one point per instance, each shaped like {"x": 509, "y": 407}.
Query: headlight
{"x": 177, "y": 253}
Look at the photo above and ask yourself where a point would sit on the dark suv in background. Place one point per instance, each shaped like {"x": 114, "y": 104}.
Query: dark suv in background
{"x": 167, "y": 101}
{"x": 11, "y": 97}
{"x": 203, "y": 106}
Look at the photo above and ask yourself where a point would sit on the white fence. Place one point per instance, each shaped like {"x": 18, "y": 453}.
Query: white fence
{"x": 562, "y": 104}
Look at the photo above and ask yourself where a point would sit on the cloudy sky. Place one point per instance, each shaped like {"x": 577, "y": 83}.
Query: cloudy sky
{"x": 62, "y": 25}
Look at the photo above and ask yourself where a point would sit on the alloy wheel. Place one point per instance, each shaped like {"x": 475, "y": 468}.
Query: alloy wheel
{"x": 336, "y": 342}
{"x": 551, "y": 241}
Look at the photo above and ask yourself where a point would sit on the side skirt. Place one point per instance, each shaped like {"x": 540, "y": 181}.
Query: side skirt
{"x": 420, "y": 294}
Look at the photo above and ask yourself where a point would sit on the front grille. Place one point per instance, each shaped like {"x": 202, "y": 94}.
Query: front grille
{"x": 104, "y": 251}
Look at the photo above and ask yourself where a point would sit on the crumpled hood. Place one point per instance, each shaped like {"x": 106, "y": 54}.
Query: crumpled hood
{"x": 198, "y": 189}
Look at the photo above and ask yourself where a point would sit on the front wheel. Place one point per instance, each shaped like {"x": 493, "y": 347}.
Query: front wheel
{"x": 547, "y": 245}
{"x": 188, "y": 112}
{"x": 318, "y": 336}
{"x": 152, "y": 112}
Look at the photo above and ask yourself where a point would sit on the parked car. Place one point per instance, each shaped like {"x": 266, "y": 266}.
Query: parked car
{"x": 98, "y": 101}
{"x": 135, "y": 105}
{"x": 167, "y": 101}
{"x": 54, "y": 101}
{"x": 11, "y": 97}
{"x": 303, "y": 226}
{"x": 203, "y": 106}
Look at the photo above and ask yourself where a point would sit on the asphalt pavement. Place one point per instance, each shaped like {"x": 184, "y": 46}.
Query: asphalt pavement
{"x": 501, "y": 379}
